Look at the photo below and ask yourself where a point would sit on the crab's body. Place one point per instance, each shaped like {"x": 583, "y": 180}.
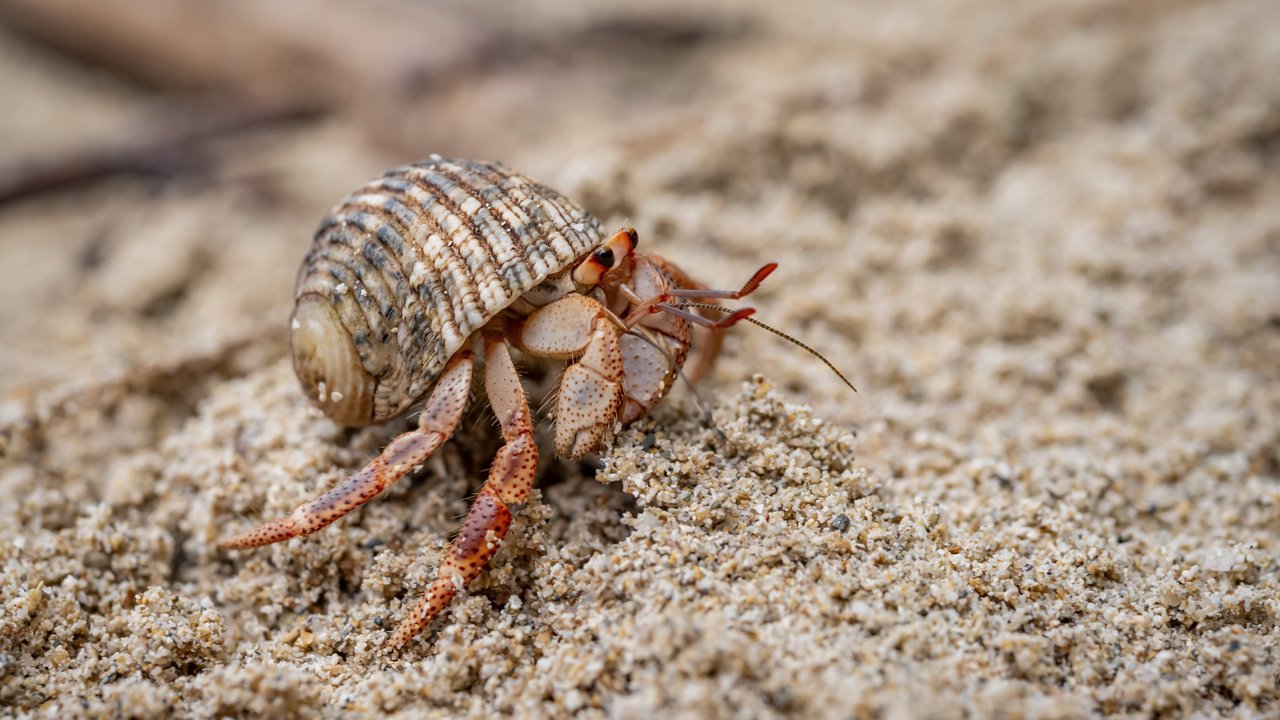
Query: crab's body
{"x": 418, "y": 275}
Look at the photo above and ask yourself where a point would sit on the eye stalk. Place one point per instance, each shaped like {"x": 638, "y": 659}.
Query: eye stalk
{"x": 606, "y": 257}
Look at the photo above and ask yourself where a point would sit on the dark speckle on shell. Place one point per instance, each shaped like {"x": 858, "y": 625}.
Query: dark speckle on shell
{"x": 405, "y": 268}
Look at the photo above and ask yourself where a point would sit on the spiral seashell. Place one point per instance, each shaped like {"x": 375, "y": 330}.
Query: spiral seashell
{"x": 407, "y": 267}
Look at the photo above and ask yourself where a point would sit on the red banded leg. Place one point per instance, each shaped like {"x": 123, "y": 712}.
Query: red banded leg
{"x": 489, "y": 518}
{"x": 439, "y": 418}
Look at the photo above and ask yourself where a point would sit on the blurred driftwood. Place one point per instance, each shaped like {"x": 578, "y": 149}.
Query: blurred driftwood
{"x": 264, "y": 62}
{"x": 172, "y": 144}
{"x": 334, "y": 52}
{"x": 255, "y": 63}
{"x": 261, "y": 51}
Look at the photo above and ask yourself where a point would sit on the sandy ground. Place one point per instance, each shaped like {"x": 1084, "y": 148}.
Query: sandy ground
{"x": 1043, "y": 240}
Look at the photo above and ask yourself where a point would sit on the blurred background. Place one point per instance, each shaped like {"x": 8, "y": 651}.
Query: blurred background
{"x": 163, "y": 162}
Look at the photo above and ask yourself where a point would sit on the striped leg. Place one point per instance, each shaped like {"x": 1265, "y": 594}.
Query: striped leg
{"x": 437, "y": 422}
{"x": 510, "y": 480}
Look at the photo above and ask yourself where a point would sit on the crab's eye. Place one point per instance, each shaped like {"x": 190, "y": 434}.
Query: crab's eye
{"x": 606, "y": 257}
{"x": 603, "y": 257}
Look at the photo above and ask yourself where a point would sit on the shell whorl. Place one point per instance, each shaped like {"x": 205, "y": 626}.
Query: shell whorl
{"x": 405, "y": 268}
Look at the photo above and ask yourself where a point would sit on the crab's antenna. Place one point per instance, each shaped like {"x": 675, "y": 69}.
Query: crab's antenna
{"x": 779, "y": 333}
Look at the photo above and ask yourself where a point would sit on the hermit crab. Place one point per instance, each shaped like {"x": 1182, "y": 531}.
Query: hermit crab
{"x": 442, "y": 265}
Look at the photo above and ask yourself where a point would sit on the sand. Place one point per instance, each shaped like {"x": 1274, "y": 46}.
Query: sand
{"x": 1044, "y": 241}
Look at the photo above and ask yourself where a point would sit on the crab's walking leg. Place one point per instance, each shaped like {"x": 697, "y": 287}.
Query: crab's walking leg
{"x": 439, "y": 418}
{"x": 489, "y": 518}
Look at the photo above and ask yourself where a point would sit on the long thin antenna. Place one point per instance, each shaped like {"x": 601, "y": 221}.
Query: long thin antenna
{"x": 779, "y": 333}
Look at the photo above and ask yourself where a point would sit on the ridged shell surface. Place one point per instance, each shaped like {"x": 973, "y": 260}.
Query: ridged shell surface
{"x": 409, "y": 265}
